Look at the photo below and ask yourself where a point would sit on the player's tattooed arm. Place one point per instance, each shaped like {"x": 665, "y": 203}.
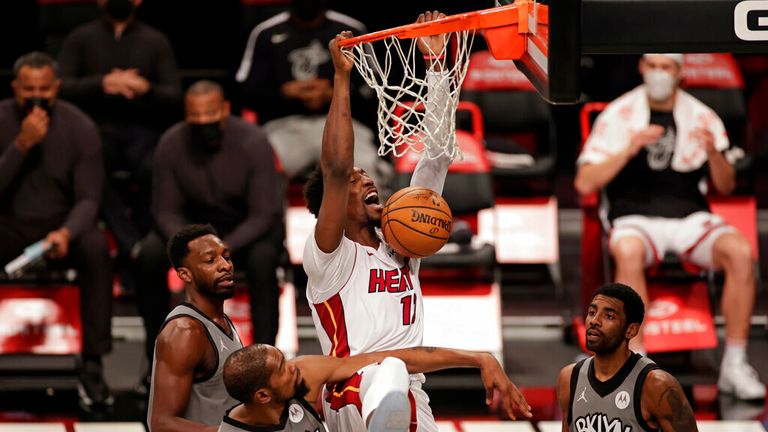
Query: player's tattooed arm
{"x": 665, "y": 403}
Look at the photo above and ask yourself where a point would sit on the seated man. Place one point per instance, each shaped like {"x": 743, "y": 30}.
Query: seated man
{"x": 50, "y": 188}
{"x": 122, "y": 72}
{"x": 651, "y": 150}
{"x": 287, "y": 77}
{"x": 268, "y": 385}
{"x": 215, "y": 168}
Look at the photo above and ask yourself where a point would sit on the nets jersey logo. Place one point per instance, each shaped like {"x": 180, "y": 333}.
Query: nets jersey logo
{"x": 295, "y": 413}
{"x": 750, "y": 20}
{"x": 598, "y": 422}
{"x": 622, "y": 400}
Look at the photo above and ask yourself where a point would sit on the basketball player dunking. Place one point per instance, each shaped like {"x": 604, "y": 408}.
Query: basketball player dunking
{"x": 616, "y": 389}
{"x": 364, "y": 296}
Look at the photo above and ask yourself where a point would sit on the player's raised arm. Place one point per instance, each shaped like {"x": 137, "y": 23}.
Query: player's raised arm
{"x": 337, "y": 155}
{"x": 431, "y": 170}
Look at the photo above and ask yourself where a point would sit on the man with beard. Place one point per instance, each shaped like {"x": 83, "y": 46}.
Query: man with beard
{"x": 277, "y": 394}
{"x": 215, "y": 168}
{"x": 617, "y": 389}
{"x": 187, "y": 392}
{"x": 364, "y": 296}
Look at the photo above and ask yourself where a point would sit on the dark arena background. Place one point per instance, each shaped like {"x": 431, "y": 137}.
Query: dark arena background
{"x": 537, "y": 250}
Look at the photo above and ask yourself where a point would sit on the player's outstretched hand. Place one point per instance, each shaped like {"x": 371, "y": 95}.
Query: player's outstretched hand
{"x": 431, "y": 46}
{"x": 494, "y": 378}
{"x": 342, "y": 59}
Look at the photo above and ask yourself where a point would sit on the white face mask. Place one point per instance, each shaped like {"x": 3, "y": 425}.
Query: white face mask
{"x": 660, "y": 85}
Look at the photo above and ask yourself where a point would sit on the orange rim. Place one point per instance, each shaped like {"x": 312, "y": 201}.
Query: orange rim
{"x": 500, "y": 16}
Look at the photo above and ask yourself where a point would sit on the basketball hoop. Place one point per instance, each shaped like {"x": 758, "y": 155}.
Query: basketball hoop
{"x": 406, "y": 118}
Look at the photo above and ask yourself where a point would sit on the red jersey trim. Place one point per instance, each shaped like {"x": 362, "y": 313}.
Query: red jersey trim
{"x": 331, "y": 314}
{"x": 345, "y": 393}
{"x": 414, "y": 417}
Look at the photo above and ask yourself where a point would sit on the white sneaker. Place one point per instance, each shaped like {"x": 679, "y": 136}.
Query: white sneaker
{"x": 740, "y": 380}
{"x": 392, "y": 415}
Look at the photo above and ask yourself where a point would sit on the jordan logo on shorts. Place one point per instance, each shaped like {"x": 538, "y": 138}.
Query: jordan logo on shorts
{"x": 582, "y": 397}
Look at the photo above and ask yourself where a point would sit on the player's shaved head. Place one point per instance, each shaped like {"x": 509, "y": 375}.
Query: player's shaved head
{"x": 246, "y": 371}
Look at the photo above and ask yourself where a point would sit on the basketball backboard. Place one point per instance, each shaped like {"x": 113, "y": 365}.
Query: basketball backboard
{"x": 564, "y": 30}
{"x": 553, "y": 50}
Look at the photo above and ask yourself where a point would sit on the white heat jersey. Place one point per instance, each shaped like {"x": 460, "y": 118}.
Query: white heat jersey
{"x": 363, "y": 299}
{"x": 366, "y": 300}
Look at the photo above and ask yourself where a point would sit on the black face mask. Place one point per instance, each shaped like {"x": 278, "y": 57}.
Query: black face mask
{"x": 206, "y": 136}
{"x": 308, "y": 10}
{"x": 30, "y": 103}
{"x": 119, "y": 10}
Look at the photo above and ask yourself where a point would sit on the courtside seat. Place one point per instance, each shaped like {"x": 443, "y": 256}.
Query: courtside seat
{"x": 40, "y": 329}
{"x": 679, "y": 316}
{"x": 516, "y": 120}
{"x": 680, "y": 313}
{"x": 468, "y": 189}
{"x": 517, "y": 136}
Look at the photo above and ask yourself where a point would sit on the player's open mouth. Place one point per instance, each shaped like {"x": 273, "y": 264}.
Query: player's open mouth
{"x": 593, "y": 334}
{"x": 372, "y": 197}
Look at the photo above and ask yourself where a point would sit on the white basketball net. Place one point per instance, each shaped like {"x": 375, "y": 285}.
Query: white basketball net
{"x": 406, "y": 119}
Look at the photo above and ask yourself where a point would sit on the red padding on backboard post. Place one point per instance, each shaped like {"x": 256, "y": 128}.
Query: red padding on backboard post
{"x": 40, "y": 320}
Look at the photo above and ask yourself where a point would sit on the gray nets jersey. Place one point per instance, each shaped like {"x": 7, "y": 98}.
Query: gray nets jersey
{"x": 612, "y": 405}
{"x": 208, "y": 398}
{"x": 298, "y": 416}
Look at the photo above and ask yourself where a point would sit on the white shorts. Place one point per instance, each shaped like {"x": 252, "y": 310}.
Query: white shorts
{"x": 691, "y": 238}
{"x": 343, "y": 408}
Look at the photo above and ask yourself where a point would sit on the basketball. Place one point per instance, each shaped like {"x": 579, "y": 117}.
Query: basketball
{"x": 416, "y": 222}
